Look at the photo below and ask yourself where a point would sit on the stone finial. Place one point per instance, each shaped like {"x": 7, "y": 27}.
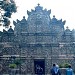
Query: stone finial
{"x": 64, "y": 22}
{"x": 38, "y": 4}
{"x": 28, "y": 12}
{"x": 49, "y": 11}
{"x": 14, "y": 23}
{"x": 38, "y": 8}
{"x": 53, "y": 16}
{"x": 10, "y": 26}
{"x": 17, "y": 20}
{"x": 67, "y": 27}
{"x": 23, "y": 17}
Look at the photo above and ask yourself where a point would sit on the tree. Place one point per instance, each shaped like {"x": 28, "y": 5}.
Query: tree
{"x": 7, "y": 7}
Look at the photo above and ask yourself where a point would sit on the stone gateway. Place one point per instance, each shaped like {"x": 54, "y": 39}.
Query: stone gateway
{"x": 36, "y": 43}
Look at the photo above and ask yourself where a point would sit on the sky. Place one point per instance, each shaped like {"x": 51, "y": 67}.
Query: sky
{"x": 62, "y": 9}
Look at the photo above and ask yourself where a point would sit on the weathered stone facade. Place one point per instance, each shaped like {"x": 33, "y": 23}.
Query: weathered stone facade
{"x": 38, "y": 41}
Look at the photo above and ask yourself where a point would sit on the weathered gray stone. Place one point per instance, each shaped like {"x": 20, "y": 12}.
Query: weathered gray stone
{"x": 38, "y": 38}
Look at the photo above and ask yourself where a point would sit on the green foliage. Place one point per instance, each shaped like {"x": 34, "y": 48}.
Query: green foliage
{"x": 17, "y": 62}
{"x": 8, "y": 7}
{"x": 60, "y": 65}
{"x": 64, "y": 65}
{"x": 12, "y": 65}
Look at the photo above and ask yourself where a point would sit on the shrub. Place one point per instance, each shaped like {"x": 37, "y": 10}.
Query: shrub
{"x": 60, "y": 65}
{"x": 64, "y": 65}
{"x": 12, "y": 65}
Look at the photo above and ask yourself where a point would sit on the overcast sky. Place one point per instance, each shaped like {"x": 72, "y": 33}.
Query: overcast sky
{"x": 62, "y": 9}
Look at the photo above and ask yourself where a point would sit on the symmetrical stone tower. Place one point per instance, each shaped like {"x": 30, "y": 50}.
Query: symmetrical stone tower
{"x": 40, "y": 23}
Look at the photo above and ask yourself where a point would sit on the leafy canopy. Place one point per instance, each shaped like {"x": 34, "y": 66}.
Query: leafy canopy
{"x": 7, "y": 7}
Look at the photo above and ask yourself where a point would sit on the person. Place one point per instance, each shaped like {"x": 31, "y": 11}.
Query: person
{"x": 69, "y": 70}
{"x": 55, "y": 70}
